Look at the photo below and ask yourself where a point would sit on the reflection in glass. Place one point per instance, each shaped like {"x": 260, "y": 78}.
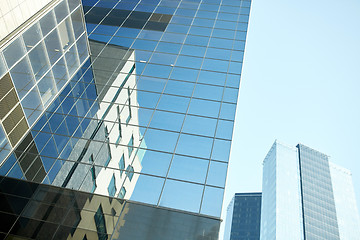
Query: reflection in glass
{"x": 22, "y": 77}
{"x": 217, "y": 174}
{"x": 212, "y": 200}
{"x": 14, "y": 52}
{"x": 188, "y": 169}
{"x": 53, "y": 47}
{"x": 39, "y": 61}
{"x": 181, "y": 195}
{"x": 194, "y": 146}
{"x": 199, "y": 125}
{"x": 32, "y": 36}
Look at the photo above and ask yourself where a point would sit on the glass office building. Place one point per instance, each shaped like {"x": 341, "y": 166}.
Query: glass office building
{"x": 243, "y": 217}
{"x": 306, "y": 197}
{"x": 117, "y": 117}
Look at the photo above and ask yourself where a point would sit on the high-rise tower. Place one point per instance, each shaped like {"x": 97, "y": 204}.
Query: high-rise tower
{"x": 117, "y": 116}
{"x": 243, "y": 217}
{"x": 306, "y": 197}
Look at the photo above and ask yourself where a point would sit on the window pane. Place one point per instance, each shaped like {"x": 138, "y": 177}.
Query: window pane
{"x": 194, "y": 146}
{"x": 212, "y": 200}
{"x": 199, "y": 125}
{"x": 14, "y": 52}
{"x": 217, "y": 174}
{"x": 182, "y": 195}
{"x": 22, "y": 76}
{"x": 147, "y": 189}
{"x": 188, "y": 169}
{"x": 39, "y": 61}
{"x": 32, "y": 36}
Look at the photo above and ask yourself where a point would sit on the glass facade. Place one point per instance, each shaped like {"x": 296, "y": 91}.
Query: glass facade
{"x": 30, "y": 210}
{"x": 281, "y": 196}
{"x": 318, "y": 207}
{"x": 132, "y": 99}
{"x": 344, "y": 196}
{"x": 306, "y": 197}
{"x": 243, "y": 217}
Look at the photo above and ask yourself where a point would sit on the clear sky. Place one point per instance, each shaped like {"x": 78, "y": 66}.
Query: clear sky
{"x": 300, "y": 84}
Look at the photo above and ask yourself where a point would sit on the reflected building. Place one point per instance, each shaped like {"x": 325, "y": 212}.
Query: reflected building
{"x": 243, "y": 217}
{"x": 306, "y": 197}
{"x": 117, "y": 116}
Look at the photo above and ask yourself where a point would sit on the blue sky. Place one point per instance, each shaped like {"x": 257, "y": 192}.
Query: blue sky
{"x": 300, "y": 84}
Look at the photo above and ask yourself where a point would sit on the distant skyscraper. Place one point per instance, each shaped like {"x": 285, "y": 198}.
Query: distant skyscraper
{"x": 306, "y": 197}
{"x": 243, "y": 217}
{"x": 116, "y": 117}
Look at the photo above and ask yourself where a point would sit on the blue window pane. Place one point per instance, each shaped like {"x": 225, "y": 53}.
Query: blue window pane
{"x": 181, "y": 195}
{"x": 144, "y": 44}
{"x": 41, "y": 139}
{"x": 188, "y": 169}
{"x": 184, "y": 74}
{"x": 197, "y": 40}
{"x": 235, "y": 67}
{"x": 168, "y": 47}
{"x": 7, "y": 165}
{"x": 222, "y": 54}
{"x": 48, "y": 163}
{"x": 212, "y": 78}
{"x": 157, "y": 71}
{"x": 177, "y": 28}
{"x": 211, "y": 64}
{"x": 173, "y": 103}
{"x": 55, "y": 170}
{"x": 179, "y": 88}
{"x": 221, "y": 43}
{"x": 221, "y": 150}
{"x": 194, "y": 146}
{"x": 208, "y": 92}
{"x": 204, "y": 108}
{"x": 228, "y": 111}
{"x": 16, "y": 172}
{"x": 147, "y": 189}
{"x": 233, "y": 80}
{"x": 156, "y": 163}
{"x": 160, "y": 140}
{"x": 237, "y": 56}
{"x": 163, "y": 58}
{"x": 119, "y": 41}
{"x": 202, "y": 31}
{"x": 147, "y": 99}
{"x": 225, "y": 129}
{"x": 203, "y": 22}
{"x": 212, "y": 200}
{"x": 217, "y": 174}
{"x": 167, "y": 120}
{"x": 188, "y": 61}
{"x": 225, "y": 25}
{"x": 199, "y": 125}
{"x": 50, "y": 149}
{"x": 206, "y": 14}
{"x": 196, "y": 51}
{"x": 230, "y": 95}
{"x": 173, "y": 37}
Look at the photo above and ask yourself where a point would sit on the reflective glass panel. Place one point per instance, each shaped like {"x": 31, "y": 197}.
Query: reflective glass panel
{"x": 181, "y": 195}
